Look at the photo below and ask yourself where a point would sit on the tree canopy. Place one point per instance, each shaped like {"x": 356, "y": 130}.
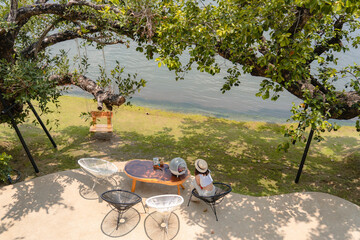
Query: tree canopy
{"x": 30, "y": 72}
{"x": 291, "y": 43}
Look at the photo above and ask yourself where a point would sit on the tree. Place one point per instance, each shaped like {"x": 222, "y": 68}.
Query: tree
{"x": 291, "y": 43}
{"x": 30, "y": 72}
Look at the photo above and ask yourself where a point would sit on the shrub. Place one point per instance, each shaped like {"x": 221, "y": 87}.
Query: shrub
{"x": 5, "y": 168}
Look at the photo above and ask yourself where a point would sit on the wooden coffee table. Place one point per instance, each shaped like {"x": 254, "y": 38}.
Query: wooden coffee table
{"x": 144, "y": 171}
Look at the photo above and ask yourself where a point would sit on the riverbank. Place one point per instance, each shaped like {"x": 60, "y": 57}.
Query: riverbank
{"x": 241, "y": 153}
{"x": 268, "y": 115}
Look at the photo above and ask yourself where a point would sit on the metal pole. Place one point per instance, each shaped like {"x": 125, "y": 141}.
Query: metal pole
{"x": 18, "y": 133}
{"x": 23, "y": 143}
{"x": 42, "y": 124}
{"x": 304, "y": 156}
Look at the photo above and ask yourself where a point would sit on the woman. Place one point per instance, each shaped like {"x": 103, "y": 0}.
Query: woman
{"x": 203, "y": 181}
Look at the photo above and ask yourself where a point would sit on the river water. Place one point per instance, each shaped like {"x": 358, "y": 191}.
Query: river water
{"x": 197, "y": 93}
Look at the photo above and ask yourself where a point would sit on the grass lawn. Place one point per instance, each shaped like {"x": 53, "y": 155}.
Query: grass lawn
{"x": 241, "y": 153}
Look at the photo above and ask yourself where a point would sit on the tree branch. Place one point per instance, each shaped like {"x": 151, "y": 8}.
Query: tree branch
{"x": 13, "y": 11}
{"x": 320, "y": 49}
{"x": 104, "y": 42}
{"x": 249, "y": 60}
{"x": 101, "y": 95}
{"x": 303, "y": 16}
{"x": 63, "y": 11}
{"x": 43, "y": 35}
{"x": 67, "y": 12}
{"x": 41, "y": 1}
{"x": 348, "y": 101}
{"x": 263, "y": 49}
{"x": 93, "y": 6}
{"x": 55, "y": 38}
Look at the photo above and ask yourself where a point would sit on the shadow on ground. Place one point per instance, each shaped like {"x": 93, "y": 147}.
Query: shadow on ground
{"x": 28, "y": 207}
{"x": 238, "y": 154}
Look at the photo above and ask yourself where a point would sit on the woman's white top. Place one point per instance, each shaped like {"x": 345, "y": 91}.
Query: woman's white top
{"x": 205, "y": 180}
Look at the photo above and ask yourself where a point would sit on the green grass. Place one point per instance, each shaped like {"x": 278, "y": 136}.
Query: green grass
{"x": 241, "y": 153}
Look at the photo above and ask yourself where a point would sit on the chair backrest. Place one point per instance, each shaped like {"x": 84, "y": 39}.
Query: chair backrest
{"x": 97, "y": 167}
{"x": 121, "y": 199}
{"x": 165, "y": 203}
{"x": 95, "y": 127}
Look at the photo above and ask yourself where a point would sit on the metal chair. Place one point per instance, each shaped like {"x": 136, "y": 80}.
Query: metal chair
{"x": 221, "y": 190}
{"x": 123, "y": 218}
{"x": 97, "y": 168}
{"x": 163, "y": 223}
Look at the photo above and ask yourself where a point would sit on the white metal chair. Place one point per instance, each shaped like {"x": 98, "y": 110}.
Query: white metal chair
{"x": 98, "y": 169}
{"x": 163, "y": 223}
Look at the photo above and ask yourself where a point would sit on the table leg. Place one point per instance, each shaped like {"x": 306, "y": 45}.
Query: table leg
{"x": 178, "y": 186}
{"x": 182, "y": 186}
{"x": 133, "y": 185}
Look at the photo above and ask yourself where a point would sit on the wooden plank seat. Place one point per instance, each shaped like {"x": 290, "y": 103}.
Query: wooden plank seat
{"x": 96, "y": 127}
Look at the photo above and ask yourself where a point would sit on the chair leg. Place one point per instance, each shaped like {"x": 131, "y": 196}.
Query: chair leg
{"x": 92, "y": 189}
{"x": 213, "y": 208}
{"x": 118, "y": 220}
{"x": 189, "y": 199}
{"x": 143, "y": 206}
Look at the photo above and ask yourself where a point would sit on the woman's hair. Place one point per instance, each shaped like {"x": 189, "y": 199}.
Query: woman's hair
{"x": 205, "y": 173}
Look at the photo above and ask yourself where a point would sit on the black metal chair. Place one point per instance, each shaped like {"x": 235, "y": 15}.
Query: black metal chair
{"x": 221, "y": 190}
{"x": 123, "y": 218}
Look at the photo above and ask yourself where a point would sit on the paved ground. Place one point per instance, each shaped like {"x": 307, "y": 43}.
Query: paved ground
{"x": 58, "y": 206}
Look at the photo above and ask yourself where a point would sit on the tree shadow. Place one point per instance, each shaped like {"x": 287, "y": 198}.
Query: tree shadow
{"x": 73, "y": 143}
{"x": 242, "y": 156}
{"x": 238, "y": 153}
{"x": 115, "y": 226}
{"x": 43, "y": 193}
{"x": 161, "y": 226}
{"x": 34, "y": 196}
{"x": 291, "y": 216}
{"x": 46, "y": 157}
{"x": 307, "y": 215}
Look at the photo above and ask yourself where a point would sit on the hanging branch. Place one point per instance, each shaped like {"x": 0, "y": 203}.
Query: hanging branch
{"x": 101, "y": 95}
{"x": 13, "y": 11}
{"x": 43, "y": 35}
{"x": 49, "y": 40}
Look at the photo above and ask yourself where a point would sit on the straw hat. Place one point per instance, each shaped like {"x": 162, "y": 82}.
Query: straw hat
{"x": 201, "y": 165}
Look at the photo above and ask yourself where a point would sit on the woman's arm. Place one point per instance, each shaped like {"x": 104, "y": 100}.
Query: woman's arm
{"x": 197, "y": 179}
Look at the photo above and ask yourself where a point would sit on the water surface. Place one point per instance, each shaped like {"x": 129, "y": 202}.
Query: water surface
{"x": 197, "y": 93}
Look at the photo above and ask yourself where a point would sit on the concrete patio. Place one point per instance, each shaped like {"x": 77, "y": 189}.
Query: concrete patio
{"x": 55, "y": 207}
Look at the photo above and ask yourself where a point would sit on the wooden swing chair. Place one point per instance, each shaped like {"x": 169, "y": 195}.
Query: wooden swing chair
{"x": 101, "y": 128}
{"x": 95, "y": 115}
